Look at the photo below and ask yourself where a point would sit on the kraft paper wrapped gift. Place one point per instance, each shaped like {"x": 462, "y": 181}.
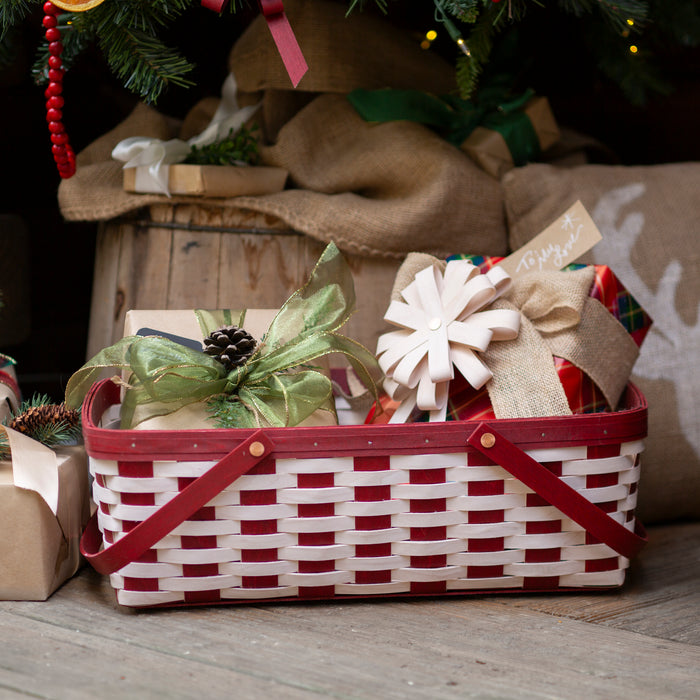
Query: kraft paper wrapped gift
{"x": 209, "y": 180}
{"x": 183, "y": 326}
{"x": 489, "y": 149}
{"x": 44, "y": 506}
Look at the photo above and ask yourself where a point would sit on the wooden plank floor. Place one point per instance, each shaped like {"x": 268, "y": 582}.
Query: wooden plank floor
{"x": 641, "y": 642}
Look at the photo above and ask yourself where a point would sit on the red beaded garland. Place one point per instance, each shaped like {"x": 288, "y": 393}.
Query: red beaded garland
{"x": 61, "y": 149}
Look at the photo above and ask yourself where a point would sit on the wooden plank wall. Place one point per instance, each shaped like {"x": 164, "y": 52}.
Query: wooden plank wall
{"x": 186, "y": 256}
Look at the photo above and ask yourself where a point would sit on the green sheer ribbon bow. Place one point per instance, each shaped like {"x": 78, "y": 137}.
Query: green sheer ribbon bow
{"x": 272, "y": 388}
{"x": 455, "y": 118}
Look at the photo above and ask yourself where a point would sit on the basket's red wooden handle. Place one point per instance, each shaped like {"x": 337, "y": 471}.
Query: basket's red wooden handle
{"x": 569, "y": 501}
{"x": 193, "y": 497}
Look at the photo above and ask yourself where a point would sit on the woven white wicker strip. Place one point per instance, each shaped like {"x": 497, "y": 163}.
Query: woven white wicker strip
{"x": 264, "y": 482}
{"x": 365, "y": 508}
{"x": 151, "y": 570}
{"x": 141, "y": 598}
{"x": 509, "y": 556}
{"x": 442, "y": 573}
{"x": 628, "y": 504}
{"x": 123, "y": 484}
{"x": 199, "y": 528}
{"x": 377, "y": 478}
{"x": 103, "y": 466}
{"x": 258, "y": 593}
{"x": 557, "y": 454}
{"x": 606, "y": 465}
{"x": 479, "y": 503}
{"x": 330, "y": 523}
{"x": 552, "y": 568}
{"x": 256, "y": 568}
{"x": 227, "y": 497}
{"x": 477, "y": 473}
{"x": 514, "y": 486}
{"x": 588, "y": 552}
{"x": 479, "y": 584}
{"x": 425, "y": 491}
{"x": 533, "y": 514}
{"x": 198, "y": 583}
{"x": 373, "y": 588}
{"x": 102, "y": 495}
{"x": 314, "y": 466}
{"x": 630, "y": 476}
{"x": 575, "y": 481}
{"x": 488, "y": 530}
{"x": 549, "y": 540}
{"x": 267, "y": 512}
{"x": 331, "y": 494}
{"x": 388, "y": 563}
{"x": 438, "y": 519}
{"x": 632, "y": 448}
{"x": 428, "y": 461}
{"x": 199, "y": 556}
{"x": 107, "y": 522}
{"x": 594, "y": 578}
{"x": 272, "y": 540}
{"x": 183, "y": 469}
{"x": 425, "y": 548}
{"x": 133, "y": 513}
{"x": 324, "y": 578}
{"x": 315, "y": 552}
{"x": 392, "y": 534}
{"x": 605, "y": 494}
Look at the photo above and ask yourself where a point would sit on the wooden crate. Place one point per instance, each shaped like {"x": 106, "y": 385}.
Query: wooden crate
{"x": 190, "y": 256}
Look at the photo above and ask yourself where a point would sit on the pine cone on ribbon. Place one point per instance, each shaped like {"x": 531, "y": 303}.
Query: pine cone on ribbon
{"x": 230, "y": 345}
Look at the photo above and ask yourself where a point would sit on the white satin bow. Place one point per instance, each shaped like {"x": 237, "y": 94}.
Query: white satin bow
{"x": 153, "y": 156}
{"x": 443, "y": 326}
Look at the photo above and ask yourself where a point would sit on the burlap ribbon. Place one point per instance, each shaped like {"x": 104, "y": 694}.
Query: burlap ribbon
{"x": 558, "y": 319}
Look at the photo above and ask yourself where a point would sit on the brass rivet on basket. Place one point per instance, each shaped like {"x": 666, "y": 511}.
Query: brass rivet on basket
{"x": 488, "y": 440}
{"x": 257, "y": 449}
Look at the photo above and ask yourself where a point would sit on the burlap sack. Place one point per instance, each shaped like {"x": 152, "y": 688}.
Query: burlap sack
{"x": 376, "y": 190}
{"x": 344, "y": 51}
{"x": 648, "y": 216}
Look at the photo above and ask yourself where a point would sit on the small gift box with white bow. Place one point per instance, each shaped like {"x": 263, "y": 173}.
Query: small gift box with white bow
{"x": 154, "y": 166}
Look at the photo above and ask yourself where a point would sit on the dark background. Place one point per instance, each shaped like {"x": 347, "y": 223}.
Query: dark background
{"x": 46, "y": 268}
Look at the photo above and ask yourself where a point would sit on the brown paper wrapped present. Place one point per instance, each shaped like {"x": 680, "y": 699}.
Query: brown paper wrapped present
{"x": 488, "y": 148}
{"x": 44, "y": 505}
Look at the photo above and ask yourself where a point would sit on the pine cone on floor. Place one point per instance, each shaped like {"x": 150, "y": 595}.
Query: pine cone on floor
{"x": 231, "y": 345}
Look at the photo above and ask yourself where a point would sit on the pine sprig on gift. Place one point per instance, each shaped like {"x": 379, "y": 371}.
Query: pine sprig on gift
{"x": 46, "y": 422}
{"x": 240, "y": 147}
{"x": 227, "y": 411}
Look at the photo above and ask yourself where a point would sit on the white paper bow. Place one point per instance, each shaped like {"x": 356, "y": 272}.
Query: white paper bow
{"x": 443, "y": 326}
{"x": 154, "y": 156}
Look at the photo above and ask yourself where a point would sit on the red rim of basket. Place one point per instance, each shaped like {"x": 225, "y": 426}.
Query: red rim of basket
{"x": 592, "y": 429}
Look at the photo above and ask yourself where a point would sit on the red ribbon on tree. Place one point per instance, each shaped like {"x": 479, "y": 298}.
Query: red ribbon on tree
{"x": 282, "y": 33}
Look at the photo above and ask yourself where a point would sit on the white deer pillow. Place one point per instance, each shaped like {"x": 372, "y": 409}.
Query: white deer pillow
{"x": 650, "y": 220}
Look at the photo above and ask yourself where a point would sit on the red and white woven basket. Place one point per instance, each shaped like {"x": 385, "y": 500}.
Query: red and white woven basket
{"x": 216, "y": 516}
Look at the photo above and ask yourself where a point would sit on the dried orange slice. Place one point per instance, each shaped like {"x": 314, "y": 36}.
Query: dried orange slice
{"x": 77, "y": 5}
